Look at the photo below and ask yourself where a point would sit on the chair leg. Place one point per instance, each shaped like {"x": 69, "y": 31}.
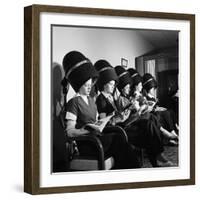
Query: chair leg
{"x": 142, "y": 157}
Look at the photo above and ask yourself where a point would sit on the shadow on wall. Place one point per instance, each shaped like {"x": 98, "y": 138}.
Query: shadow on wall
{"x": 59, "y": 147}
{"x": 57, "y": 76}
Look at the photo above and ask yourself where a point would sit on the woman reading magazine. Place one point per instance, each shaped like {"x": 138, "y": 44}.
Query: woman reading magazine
{"x": 143, "y": 132}
{"x": 164, "y": 115}
{"x": 82, "y": 110}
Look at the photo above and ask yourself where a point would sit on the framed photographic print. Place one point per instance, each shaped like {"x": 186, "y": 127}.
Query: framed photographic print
{"x": 65, "y": 49}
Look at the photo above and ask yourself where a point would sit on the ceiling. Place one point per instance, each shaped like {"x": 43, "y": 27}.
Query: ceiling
{"x": 160, "y": 38}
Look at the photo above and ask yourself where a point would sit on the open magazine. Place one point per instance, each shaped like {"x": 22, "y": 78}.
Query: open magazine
{"x": 98, "y": 125}
{"x": 150, "y": 107}
{"x": 153, "y": 105}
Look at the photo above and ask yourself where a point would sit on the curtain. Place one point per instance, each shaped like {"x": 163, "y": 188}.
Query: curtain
{"x": 150, "y": 67}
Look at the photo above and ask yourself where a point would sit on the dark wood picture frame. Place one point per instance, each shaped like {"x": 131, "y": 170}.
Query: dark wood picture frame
{"x": 32, "y": 93}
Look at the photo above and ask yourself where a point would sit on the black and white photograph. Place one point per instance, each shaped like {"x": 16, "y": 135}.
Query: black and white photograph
{"x": 115, "y": 98}
{"x": 111, "y": 99}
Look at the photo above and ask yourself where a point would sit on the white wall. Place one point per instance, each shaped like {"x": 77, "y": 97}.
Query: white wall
{"x": 99, "y": 43}
{"x": 11, "y": 101}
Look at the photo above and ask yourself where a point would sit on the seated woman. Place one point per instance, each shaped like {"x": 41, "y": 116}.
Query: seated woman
{"x": 106, "y": 85}
{"x": 82, "y": 110}
{"x": 165, "y": 116}
{"x": 140, "y": 114}
{"x": 145, "y": 135}
{"x": 148, "y": 106}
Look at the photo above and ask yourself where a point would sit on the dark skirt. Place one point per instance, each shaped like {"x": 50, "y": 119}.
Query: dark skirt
{"x": 116, "y": 145}
{"x": 145, "y": 133}
{"x": 166, "y": 119}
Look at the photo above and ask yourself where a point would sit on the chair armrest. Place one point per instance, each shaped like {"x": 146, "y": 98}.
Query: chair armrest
{"x": 93, "y": 139}
{"x": 116, "y": 129}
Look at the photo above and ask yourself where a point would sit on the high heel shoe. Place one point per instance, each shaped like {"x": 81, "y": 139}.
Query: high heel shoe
{"x": 175, "y": 136}
{"x": 172, "y": 143}
{"x": 169, "y": 135}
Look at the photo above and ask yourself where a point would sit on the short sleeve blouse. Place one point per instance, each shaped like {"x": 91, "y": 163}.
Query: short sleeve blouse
{"x": 85, "y": 113}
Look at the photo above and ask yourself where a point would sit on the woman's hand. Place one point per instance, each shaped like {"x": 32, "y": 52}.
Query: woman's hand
{"x": 72, "y": 131}
{"x": 142, "y": 109}
{"x": 83, "y": 131}
{"x": 77, "y": 132}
